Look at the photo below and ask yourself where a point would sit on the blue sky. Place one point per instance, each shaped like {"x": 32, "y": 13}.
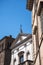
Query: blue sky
{"x": 13, "y": 13}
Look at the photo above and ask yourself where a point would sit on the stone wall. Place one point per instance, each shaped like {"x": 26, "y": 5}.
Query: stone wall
{"x": 2, "y": 55}
{"x": 5, "y": 51}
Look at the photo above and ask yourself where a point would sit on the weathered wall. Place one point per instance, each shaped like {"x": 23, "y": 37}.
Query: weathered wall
{"x": 2, "y": 56}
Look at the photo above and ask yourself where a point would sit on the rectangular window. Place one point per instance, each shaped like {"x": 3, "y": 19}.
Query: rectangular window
{"x": 37, "y": 41}
{"x": 21, "y": 59}
{"x": 14, "y": 63}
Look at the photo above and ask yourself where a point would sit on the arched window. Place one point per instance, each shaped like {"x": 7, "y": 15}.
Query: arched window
{"x": 21, "y": 56}
{"x": 27, "y": 55}
{"x": 14, "y": 63}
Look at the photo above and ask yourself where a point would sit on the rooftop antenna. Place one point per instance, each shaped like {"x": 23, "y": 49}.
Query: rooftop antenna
{"x": 21, "y": 29}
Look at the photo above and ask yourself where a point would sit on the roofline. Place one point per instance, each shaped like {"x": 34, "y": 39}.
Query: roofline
{"x": 29, "y": 4}
{"x": 20, "y": 34}
{"x": 6, "y": 38}
{"x": 29, "y": 37}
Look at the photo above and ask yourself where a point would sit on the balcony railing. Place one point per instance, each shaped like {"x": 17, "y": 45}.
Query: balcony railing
{"x": 28, "y": 62}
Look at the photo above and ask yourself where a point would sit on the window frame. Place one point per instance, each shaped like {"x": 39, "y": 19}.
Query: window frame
{"x": 21, "y": 54}
{"x": 21, "y": 59}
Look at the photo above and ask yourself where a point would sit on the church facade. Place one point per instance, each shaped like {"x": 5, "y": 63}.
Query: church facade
{"x": 18, "y": 51}
{"x": 22, "y": 50}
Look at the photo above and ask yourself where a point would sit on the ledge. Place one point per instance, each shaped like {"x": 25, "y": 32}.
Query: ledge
{"x": 29, "y": 4}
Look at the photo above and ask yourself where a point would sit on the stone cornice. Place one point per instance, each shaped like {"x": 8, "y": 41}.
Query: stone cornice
{"x": 29, "y": 4}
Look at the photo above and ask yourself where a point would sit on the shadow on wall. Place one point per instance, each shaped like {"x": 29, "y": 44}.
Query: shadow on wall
{"x": 7, "y": 59}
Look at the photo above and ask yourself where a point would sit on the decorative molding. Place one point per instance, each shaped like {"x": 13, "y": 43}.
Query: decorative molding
{"x": 20, "y": 53}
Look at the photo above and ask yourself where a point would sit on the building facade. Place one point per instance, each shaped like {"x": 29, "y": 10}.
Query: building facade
{"x": 5, "y": 51}
{"x": 36, "y": 6}
{"x": 22, "y": 50}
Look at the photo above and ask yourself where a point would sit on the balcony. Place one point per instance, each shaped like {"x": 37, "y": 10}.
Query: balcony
{"x": 28, "y": 62}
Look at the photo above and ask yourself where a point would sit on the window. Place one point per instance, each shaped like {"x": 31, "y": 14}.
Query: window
{"x": 21, "y": 58}
{"x": 37, "y": 41}
{"x": 14, "y": 63}
{"x": 27, "y": 55}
